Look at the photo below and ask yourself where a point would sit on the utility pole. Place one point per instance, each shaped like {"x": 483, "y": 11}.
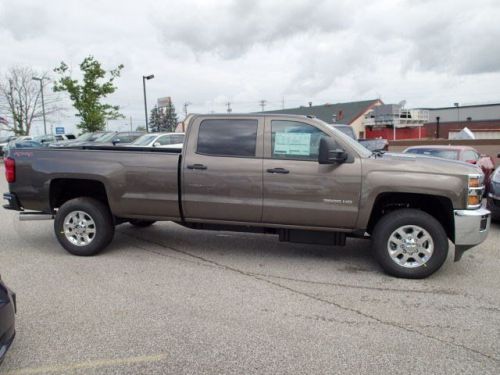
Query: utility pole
{"x": 229, "y": 110}
{"x": 263, "y": 104}
{"x": 130, "y": 119}
{"x": 43, "y": 102}
{"x": 458, "y": 111}
{"x": 283, "y": 102}
{"x": 186, "y": 108}
{"x": 144, "y": 78}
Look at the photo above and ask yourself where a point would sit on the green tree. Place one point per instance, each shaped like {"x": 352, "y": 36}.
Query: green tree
{"x": 170, "y": 118}
{"x": 87, "y": 95}
{"x": 155, "y": 120}
{"x": 163, "y": 119}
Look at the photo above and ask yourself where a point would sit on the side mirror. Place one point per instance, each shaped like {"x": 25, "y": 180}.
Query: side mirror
{"x": 330, "y": 153}
{"x": 471, "y": 161}
{"x": 116, "y": 141}
{"x": 156, "y": 144}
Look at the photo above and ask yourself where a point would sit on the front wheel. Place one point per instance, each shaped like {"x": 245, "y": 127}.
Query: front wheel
{"x": 409, "y": 243}
{"x": 84, "y": 226}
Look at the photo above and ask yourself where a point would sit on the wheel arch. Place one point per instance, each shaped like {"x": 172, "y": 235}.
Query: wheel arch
{"x": 62, "y": 190}
{"x": 440, "y": 207}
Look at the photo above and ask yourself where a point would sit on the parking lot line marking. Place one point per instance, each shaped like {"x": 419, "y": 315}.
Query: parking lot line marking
{"x": 88, "y": 365}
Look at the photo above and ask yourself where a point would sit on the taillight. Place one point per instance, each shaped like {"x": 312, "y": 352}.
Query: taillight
{"x": 10, "y": 170}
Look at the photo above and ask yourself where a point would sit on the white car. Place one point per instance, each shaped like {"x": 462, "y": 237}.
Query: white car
{"x": 161, "y": 140}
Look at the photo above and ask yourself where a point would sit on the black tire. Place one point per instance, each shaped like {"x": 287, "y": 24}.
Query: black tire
{"x": 103, "y": 225}
{"x": 141, "y": 223}
{"x": 389, "y": 223}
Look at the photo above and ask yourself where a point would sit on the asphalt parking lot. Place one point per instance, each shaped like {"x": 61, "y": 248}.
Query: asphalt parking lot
{"x": 172, "y": 300}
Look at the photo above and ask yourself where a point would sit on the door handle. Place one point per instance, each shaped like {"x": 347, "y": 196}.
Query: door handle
{"x": 278, "y": 170}
{"x": 196, "y": 166}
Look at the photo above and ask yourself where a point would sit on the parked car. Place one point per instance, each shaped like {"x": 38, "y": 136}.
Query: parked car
{"x": 291, "y": 176}
{"x": 7, "y": 318}
{"x": 80, "y": 140}
{"x": 463, "y": 153}
{"x": 48, "y": 139}
{"x": 4, "y": 141}
{"x": 493, "y": 200}
{"x": 377, "y": 144}
{"x": 161, "y": 140}
{"x": 114, "y": 138}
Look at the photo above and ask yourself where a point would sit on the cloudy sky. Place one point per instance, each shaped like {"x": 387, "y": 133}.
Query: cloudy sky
{"x": 209, "y": 52}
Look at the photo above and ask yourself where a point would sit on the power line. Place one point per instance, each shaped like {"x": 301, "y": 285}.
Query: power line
{"x": 263, "y": 104}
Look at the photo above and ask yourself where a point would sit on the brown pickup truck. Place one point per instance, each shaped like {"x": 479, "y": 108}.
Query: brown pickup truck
{"x": 293, "y": 176}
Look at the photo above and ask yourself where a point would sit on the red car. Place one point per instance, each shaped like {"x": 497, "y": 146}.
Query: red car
{"x": 462, "y": 153}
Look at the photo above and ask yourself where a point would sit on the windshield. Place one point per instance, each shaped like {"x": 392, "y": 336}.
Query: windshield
{"x": 346, "y": 129}
{"x": 107, "y": 137}
{"x": 144, "y": 140}
{"x": 85, "y": 137}
{"x": 439, "y": 153}
{"x": 360, "y": 149}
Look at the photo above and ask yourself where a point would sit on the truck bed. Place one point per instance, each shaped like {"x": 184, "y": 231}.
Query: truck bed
{"x": 138, "y": 182}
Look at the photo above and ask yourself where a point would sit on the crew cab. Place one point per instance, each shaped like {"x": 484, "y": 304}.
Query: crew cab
{"x": 293, "y": 176}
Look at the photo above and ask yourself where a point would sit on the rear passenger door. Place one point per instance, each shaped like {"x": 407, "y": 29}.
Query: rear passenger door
{"x": 222, "y": 170}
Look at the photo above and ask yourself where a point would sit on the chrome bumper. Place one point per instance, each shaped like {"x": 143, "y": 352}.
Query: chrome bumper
{"x": 471, "y": 228}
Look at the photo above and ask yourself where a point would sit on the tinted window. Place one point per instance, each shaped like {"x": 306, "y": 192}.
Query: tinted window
{"x": 70, "y": 136}
{"x": 295, "y": 140}
{"x": 227, "y": 137}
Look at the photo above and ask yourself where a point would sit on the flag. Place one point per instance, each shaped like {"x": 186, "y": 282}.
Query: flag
{"x": 3, "y": 120}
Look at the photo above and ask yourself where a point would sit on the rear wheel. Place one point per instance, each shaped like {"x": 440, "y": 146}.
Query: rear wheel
{"x": 410, "y": 243}
{"x": 141, "y": 223}
{"x": 84, "y": 226}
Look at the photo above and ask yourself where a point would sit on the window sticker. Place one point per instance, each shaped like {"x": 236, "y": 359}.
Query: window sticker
{"x": 292, "y": 144}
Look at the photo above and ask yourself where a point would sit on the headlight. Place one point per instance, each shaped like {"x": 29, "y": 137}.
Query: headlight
{"x": 496, "y": 176}
{"x": 475, "y": 191}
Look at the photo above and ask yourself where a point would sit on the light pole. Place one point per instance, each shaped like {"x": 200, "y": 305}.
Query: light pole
{"x": 144, "y": 78}
{"x": 43, "y": 102}
{"x": 458, "y": 111}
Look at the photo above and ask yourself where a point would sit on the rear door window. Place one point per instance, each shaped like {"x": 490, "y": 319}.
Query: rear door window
{"x": 232, "y": 137}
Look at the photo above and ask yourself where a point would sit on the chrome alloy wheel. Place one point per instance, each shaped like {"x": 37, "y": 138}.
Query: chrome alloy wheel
{"x": 79, "y": 228}
{"x": 410, "y": 246}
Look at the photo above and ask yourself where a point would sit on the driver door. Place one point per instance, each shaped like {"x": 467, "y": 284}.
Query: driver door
{"x": 297, "y": 189}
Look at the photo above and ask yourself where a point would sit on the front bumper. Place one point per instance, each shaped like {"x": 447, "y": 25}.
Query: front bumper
{"x": 471, "y": 228}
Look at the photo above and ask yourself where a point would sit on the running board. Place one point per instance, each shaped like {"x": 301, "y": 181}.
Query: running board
{"x": 28, "y": 216}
